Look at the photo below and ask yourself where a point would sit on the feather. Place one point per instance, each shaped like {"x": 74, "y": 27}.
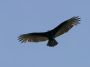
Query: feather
{"x": 32, "y": 37}
{"x": 52, "y": 34}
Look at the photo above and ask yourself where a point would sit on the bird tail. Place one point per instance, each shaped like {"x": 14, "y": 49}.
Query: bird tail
{"x": 52, "y": 43}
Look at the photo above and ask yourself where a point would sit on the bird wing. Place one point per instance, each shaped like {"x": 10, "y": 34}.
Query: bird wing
{"x": 66, "y": 26}
{"x": 32, "y": 37}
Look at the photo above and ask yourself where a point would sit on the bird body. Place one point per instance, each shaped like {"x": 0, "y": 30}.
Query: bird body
{"x": 51, "y": 34}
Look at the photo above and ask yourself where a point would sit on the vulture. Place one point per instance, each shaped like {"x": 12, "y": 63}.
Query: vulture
{"x": 50, "y": 35}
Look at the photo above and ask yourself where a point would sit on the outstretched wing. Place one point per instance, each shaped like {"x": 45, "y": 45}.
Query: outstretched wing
{"x": 66, "y": 26}
{"x": 32, "y": 37}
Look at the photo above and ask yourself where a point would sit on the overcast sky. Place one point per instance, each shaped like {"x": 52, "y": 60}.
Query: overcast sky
{"x": 25, "y": 16}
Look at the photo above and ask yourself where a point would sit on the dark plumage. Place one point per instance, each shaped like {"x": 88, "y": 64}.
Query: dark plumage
{"x": 52, "y": 34}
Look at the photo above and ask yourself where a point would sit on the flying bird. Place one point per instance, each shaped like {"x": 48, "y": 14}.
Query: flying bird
{"x": 51, "y": 34}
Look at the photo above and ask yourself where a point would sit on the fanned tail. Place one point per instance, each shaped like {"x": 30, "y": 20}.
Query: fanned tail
{"x": 52, "y": 43}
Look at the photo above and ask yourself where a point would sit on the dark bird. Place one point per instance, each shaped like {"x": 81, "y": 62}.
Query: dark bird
{"x": 51, "y": 34}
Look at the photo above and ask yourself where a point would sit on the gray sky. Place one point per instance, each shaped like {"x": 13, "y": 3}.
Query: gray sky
{"x": 25, "y": 16}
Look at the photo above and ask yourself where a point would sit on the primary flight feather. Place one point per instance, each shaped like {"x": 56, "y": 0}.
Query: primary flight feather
{"x": 52, "y": 34}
